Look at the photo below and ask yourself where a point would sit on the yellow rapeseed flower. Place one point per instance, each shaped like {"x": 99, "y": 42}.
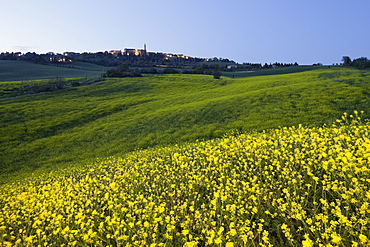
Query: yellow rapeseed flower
{"x": 229, "y": 244}
{"x": 363, "y": 239}
{"x": 307, "y": 242}
{"x": 335, "y": 238}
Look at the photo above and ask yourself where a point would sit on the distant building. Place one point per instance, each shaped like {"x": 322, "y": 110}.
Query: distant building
{"x": 67, "y": 53}
{"x": 129, "y": 52}
{"x": 141, "y": 53}
{"x": 134, "y": 52}
{"x": 115, "y": 52}
{"x": 232, "y": 66}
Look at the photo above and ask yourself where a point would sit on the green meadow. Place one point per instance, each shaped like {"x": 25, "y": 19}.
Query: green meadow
{"x": 276, "y": 71}
{"x": 75, "y": 126}
{"x": 20, "y": 70}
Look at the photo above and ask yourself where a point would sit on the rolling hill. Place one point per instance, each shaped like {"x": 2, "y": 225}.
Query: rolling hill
{"x": 68, "y": 176}
{"x": 78, "y": 125}
{"x": 274, "y": 71}
{"x": 20, "y": 70}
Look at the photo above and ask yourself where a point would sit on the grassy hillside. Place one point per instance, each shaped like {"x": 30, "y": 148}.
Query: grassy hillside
{"x": 286, "y": 187}
{"x": 276, "y": 71}
{"x": 120, "y": 115}
{"x": 20, "y": 70}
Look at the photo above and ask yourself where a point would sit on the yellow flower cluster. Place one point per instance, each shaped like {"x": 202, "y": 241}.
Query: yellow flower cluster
{"x": 293, "y": 186}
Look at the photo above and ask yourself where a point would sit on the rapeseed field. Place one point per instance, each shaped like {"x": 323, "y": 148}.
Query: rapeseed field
{"x": 292, "y": 186}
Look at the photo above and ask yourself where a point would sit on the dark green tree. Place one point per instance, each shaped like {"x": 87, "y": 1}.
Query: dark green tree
{"x": 216, "y": 74}
{"x": 361, "y": 63}
{"x": 170, "y": 71}
{"x": 346, "y": 61}
{"x": 123, "y": 68}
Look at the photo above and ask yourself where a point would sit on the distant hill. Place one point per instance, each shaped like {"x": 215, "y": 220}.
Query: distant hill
{"x": 13, "y": 70}
{"x": 20, "y": 70}
{"x": 80, "y": 124}
{"x": 273, "y": 71}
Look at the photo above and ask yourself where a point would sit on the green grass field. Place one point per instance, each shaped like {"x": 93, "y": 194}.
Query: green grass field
{"x": 276, "y": 71}
{"x": 78, "y": 125}
{"x": 20, "y": 70}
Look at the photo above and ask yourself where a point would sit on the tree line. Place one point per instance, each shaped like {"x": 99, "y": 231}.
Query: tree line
{"x": 358, "y": 63}
{"x": 103, "y": 58}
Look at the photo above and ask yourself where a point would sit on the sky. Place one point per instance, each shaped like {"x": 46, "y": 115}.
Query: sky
{"x": 263, "y": 31}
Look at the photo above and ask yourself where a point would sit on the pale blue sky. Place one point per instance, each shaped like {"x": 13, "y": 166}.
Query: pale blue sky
{"x": 242, "y": 30}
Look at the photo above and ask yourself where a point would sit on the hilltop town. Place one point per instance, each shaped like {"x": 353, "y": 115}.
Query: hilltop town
{"x": 129, "y": 56}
